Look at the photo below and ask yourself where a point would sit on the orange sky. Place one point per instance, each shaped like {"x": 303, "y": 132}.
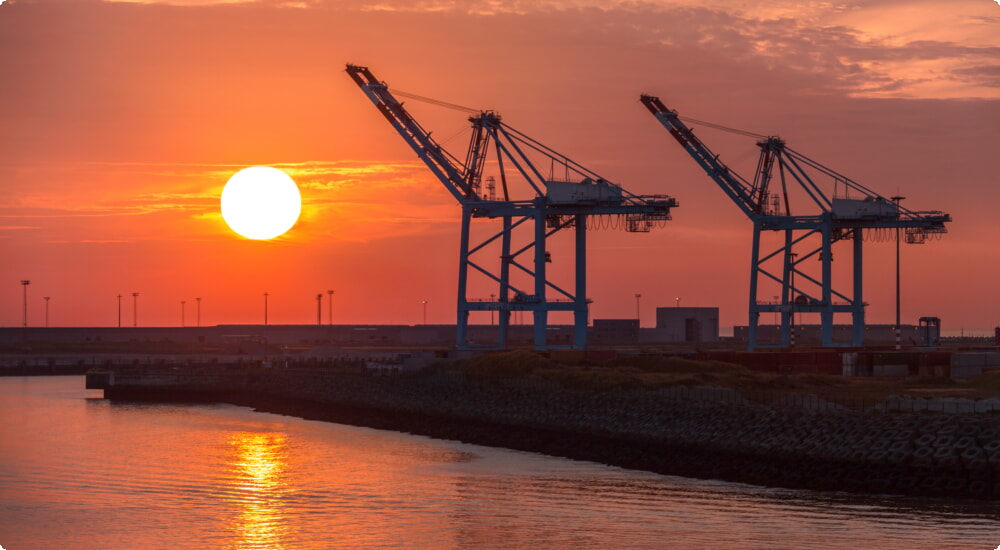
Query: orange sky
{"x": 121, "y": 121}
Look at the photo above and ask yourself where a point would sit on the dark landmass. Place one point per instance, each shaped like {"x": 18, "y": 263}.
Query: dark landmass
{"x": 688, "y": 418}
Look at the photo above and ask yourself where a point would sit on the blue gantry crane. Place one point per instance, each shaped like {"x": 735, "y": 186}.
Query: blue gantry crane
{"x": 851, "y": 212}
{"x": 576, "y": 199}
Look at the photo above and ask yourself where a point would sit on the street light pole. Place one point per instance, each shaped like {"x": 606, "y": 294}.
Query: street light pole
{"x": 425, "y": 311}
{"x": 637, "y": 316}
{"x": 135, "y": 309}
{"x": 25, "y": 283}
{"x": 182, "y": 312}
{"x": 319, "y": 309}
{"x": 330, "y": 306}
{"x": 119, "y": 311}
{"x": 198, "y": 300}
{"x": 46, "y": 312}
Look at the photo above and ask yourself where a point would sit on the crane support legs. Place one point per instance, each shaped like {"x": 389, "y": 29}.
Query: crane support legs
{"x": 462, "y": 335}
{"x": 504, "y": 304}
{"x": 826, "y": 315}
{"x": 802, "y": 289}
{"x": 754, "y": 271}
{"x": 531, "y": 291}
{"x": 541, "y": 313}
{"x": 858, "y": 304}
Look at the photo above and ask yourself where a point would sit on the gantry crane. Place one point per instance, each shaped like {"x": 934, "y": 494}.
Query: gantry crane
{"x": 851, "y": 212}
{"x": 551, "y": 206}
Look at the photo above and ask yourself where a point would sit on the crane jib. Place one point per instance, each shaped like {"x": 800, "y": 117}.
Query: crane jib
{"x": 680, "y": 138}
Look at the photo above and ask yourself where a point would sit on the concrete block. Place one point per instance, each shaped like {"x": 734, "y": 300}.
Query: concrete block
{"x": 965, "y": 372}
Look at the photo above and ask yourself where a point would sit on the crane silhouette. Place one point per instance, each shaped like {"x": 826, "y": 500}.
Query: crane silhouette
{"x": 578, "y": 198}
{"x": 851, "y": 212}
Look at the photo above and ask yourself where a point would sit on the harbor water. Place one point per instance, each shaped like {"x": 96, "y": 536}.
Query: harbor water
{"x": 80, "y": 472}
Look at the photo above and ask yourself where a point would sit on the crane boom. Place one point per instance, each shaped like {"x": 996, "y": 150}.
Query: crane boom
{"x": 458, "y": 179}
{"x": 738, "y": 189}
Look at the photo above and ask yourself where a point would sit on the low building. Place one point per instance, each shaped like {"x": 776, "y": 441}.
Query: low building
{"x": 688, "y": 324}
{"x": 615, "y": 331}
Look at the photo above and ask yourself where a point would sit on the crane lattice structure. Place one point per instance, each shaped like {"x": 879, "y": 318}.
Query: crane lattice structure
{"x": 851, "y": 212}
{"x": 552, "y": 206}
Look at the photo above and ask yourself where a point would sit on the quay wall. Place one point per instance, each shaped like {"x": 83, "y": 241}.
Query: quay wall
{"x": 708, "y": 433}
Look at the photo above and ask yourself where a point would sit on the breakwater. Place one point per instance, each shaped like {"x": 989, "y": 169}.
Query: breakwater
{"x": 704, "y": 433}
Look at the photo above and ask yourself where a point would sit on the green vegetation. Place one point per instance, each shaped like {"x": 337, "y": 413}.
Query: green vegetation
{"x": 653, "y": 372}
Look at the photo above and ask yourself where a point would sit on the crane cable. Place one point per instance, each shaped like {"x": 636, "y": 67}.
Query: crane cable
{"x": 457, "y": 107}
{"x": 724, "y": 128}
{"x": 437, "y": 102}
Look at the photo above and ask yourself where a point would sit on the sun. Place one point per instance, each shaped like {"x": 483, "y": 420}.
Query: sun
{"x": 261, "y": 202}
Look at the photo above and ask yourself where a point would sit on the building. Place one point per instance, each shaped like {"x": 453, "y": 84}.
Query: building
{"x": 687, "y": 324}
{"x": 615, "y": 331}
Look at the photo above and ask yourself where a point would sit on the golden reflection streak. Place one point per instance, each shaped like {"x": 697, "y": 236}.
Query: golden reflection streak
{"x": 256, "y": 485}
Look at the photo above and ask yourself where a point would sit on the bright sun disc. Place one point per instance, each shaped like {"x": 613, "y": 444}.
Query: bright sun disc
{"x": 261, "y": 202}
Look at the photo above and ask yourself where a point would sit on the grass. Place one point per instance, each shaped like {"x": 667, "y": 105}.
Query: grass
{"x": 652, "y": 372}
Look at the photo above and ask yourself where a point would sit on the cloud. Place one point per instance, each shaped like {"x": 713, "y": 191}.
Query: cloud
{"x": 359, "y": 201}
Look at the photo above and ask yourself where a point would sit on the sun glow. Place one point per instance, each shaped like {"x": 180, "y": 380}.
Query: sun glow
{"x": 261, "y": 202}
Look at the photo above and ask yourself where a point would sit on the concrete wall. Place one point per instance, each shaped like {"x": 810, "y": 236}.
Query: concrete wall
{"x": 810, "y": 335}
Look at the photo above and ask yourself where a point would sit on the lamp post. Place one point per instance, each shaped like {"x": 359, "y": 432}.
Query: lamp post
{"x": 493, "y": 298}
{"x": 265, "y": 327}
{"x": 24, "y": 284}
{"x": 119, "y": 311}
{"x": 637, "y": 297}
{"x": 135, "y": 309}
{"x": 896, "y": 199}
{"x": 46, "y": 312}
{"x": 319, "y": 309}
{"x": 198, "y": 300}
{"x": 677, "y": 301}
{"x": 182, "y": 312}
{"x": 425, "y": 311}
{"x": 329, "y": 306}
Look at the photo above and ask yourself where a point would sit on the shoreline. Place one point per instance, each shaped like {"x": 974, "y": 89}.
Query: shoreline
{"x": 911, "y": 454}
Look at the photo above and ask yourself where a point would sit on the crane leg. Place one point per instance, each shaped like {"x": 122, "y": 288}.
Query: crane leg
{"x": 580, "y": 311}
{"x": 540, "y": 306}
{"x": 858, "y": 307}
{"x": 462, "y": 335}
{"x": 754, "y": 270}
{"x": 505, "y": 258}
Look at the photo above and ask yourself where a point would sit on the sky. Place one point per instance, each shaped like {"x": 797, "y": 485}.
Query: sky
{"x": 120, "y": 122}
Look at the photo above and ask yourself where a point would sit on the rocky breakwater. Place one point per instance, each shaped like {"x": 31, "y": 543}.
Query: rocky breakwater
{"x": 709, "y": 433}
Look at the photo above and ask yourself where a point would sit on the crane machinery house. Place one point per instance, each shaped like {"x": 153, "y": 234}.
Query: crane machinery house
{"x": 868, "y": 208}
{"x": 588, "y": 191}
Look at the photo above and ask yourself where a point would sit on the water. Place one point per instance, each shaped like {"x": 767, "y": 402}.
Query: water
{"x": 77, "y": 471}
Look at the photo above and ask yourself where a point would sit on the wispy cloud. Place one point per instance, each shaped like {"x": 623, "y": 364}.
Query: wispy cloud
{"x": 357, "y": 201}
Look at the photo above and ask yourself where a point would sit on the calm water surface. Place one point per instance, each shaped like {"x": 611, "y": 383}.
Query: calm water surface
{"x": 77, "y": 471}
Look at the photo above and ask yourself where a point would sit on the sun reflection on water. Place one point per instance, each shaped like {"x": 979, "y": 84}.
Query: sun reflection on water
{"x": 257, "y": 485}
